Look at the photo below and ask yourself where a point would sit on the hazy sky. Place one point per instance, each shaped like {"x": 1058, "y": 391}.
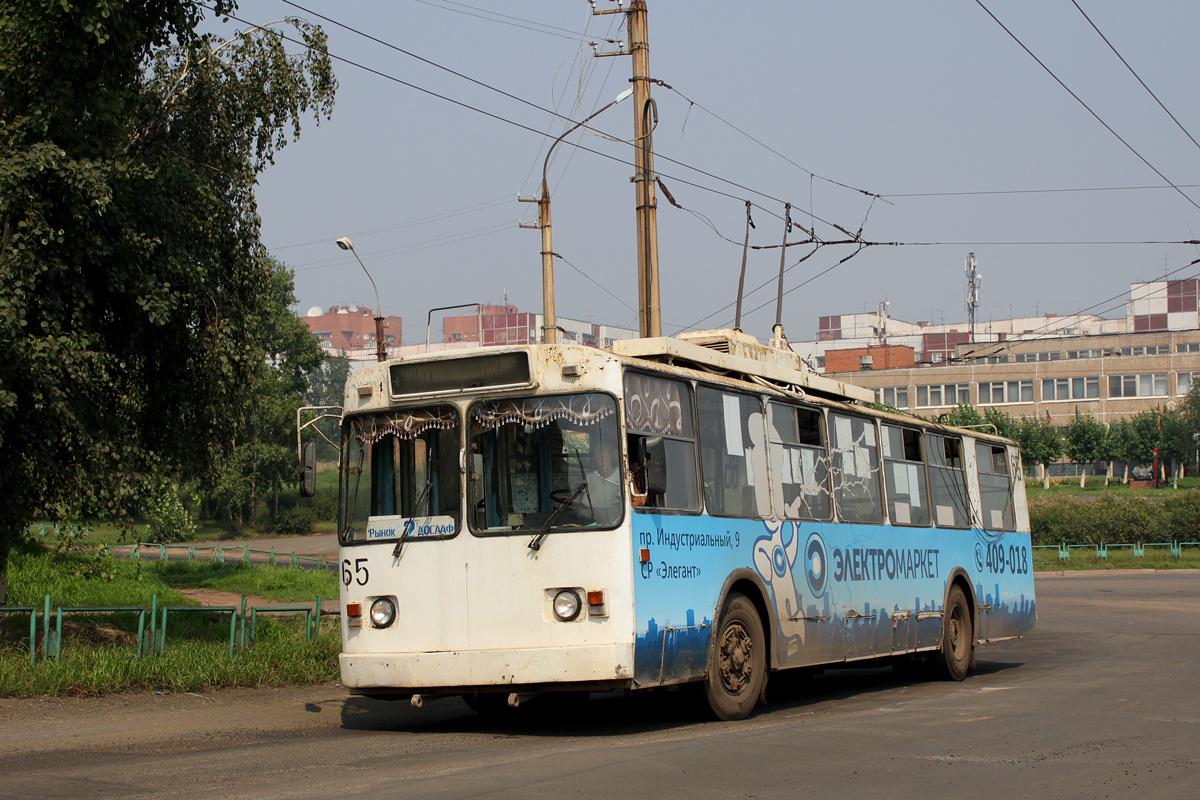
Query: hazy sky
{"x": 930, "y": 104}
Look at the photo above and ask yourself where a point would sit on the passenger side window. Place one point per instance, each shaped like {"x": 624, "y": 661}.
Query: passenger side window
{"x": 947, "y": 481}
{"x": 799, "y": 462}
{"x": 995, "y": 487}
{"x": 658, "y": 416}
{"x": 733, "y": 454}
{"x": 855, "y": 462}
{"x": 904, "y": 470}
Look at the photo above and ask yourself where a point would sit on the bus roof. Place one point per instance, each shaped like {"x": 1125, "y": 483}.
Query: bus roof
{"x": 736, "y": 352}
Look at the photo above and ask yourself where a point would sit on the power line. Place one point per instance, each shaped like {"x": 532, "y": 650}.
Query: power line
{"x": 511, "y": 96}
{"x": 1039, "y": 191}
{"x": 458, "y": 212}
{"x": 1086, "y": 106}
{"x": 1134, "y": 74}
{"x": 411, "y": 248}
{"x": 767, "y": 147}
{"x": 530, "y": 25}
{"x": 593, "y": 280}
{"x": 823, "y": 272}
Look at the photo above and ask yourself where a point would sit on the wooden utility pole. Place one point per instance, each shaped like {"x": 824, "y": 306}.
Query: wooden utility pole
{"x": 645, "y": 115}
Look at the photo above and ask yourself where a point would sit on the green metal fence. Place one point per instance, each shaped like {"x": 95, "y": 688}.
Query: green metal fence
{"x": 222, "y": 554}
{"x": 153, "y": 623}
{"x": 192, "y": 552}
{"x": 1100, "y": 550}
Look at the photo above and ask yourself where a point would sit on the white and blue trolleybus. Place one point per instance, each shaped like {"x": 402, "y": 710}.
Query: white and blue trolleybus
{"x": 523, "y": 520}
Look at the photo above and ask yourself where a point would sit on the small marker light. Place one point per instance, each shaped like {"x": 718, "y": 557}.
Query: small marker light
{"x": 644, "y": 555}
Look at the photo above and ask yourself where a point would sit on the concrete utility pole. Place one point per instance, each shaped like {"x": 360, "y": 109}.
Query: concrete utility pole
{"x": 645, "y": 116}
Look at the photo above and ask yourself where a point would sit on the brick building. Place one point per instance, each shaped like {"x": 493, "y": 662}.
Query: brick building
{"x": 351, "y": 329}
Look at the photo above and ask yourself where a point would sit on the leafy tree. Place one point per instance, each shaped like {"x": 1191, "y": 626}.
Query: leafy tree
{"x": 962, "y": 416}
{"x": 132, "y": 310}
{"x": 1175, "y": 441}
{"x": 1146, "y": 438}
{"x": 1083, "y": 441}
{"x": 261, "y": 457}
{"x": 327, "y": 387}
{"x": 1040, "y": 443}
{"x": 1123, "y": 444}
{"x": 327, "y": 384}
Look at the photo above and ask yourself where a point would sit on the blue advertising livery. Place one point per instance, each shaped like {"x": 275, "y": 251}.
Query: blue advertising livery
{"x": 837, "y": 591}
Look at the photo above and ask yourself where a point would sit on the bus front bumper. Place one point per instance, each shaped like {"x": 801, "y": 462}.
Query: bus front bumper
{"x": 609, "y": 666}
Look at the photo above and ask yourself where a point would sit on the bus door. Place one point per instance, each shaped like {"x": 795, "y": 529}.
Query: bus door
{"x": 858, "y": 493}
{"x": 810, "y": 628}
{"x": 909, "y": 511}
{"x": 1002, "y": 556}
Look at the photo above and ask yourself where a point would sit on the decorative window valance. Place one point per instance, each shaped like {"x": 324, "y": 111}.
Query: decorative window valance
{"x": 537, "y": 412}
{"x": 407, "y": 424}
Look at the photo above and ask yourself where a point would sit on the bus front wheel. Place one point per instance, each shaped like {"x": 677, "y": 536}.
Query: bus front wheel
{"x": 737, "y": 667}
{"x": 958, "y": 637}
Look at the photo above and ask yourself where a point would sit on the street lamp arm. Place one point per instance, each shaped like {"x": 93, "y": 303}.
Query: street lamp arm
{"x": 380, "y": 345}
{"x": 346, "y": 244}
{"x": 575, "y": 127}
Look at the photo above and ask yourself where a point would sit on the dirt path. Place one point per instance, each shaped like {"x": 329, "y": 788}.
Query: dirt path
{"x": 213, "y": 597}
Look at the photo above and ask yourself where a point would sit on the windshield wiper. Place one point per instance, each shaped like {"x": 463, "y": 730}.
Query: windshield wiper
{"x": 535, "y": 543}
{"x": 398, "y": 550}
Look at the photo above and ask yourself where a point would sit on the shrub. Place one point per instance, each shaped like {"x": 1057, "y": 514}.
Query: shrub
{"x": 168, "y": 520}
{"x": 1115, "y": 520}
{"x": 296, "y": 521}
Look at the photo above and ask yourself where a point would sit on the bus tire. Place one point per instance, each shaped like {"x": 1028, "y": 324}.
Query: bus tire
{"x": 958, "y": 637}
{"x": 737, "y": 668}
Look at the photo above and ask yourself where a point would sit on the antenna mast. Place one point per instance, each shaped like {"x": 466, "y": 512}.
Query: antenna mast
{"x": 973, "y": 280}
{"x": 645, "y": 117}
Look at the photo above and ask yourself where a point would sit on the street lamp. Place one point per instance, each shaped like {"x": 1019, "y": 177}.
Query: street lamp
{"x": 380, "y": 347}
{"x": 550, "y": 322}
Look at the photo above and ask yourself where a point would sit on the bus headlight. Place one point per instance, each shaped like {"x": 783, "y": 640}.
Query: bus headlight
{"x": 383, "y": 612}
{"x": 566, "y": 605}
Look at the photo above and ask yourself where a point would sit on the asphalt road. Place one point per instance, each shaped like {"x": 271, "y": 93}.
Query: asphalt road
{"x": 1102, "y": 700}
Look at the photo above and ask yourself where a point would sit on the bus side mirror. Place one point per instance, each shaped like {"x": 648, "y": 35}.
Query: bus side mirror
{"x": 308, "y": 469}
{"x": 654, "y": 457}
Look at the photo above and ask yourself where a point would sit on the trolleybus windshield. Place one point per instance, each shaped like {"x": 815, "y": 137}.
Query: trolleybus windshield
{"x": 401, "y": 475}
{"x": 545, "y": 464}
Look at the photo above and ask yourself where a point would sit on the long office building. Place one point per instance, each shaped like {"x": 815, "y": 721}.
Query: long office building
{"x": 1147, "y": 360}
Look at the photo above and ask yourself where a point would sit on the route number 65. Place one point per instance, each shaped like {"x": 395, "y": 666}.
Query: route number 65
{"x": 359, "y": 573}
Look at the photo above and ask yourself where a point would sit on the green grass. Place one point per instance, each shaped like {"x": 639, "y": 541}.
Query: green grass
{"x": 280, "y": 657}
{"x": 99, "y": 649}
{"x": 1060, "y": 487}
{"x": 1046, "y": 560}
{"x": 276, "y": 583}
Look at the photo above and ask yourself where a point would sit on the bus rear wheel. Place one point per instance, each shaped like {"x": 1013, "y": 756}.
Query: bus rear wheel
{"x": 958, "y": 638}
{"x": 737, "y": 668}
